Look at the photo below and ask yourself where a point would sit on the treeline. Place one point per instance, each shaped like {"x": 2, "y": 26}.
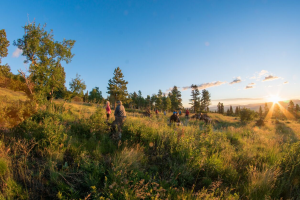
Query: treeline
{"x": 278, "y": 111}
{"x": 45, "y": 79}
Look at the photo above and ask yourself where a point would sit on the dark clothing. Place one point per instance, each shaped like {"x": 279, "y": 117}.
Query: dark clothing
{"x": 120, "y": 111}
{"x": 107, "y": 115}
{"x": 174, "y": 118}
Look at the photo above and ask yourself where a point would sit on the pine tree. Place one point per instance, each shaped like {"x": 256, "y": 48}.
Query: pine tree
{"x": 230, "y": 110}
{"x": 175, "y": 97}
{"x": 205, "y": 100}
{"x": 117, "y": 87}
{"x": 96, "y": 95}
{"x": 219, "y": 108}
{"x": 222, "y": 108}
{"x": 266, "y": 109}
{"x": 297, "y": 108}
{"x": 260, "y": 112}
{"x": 237, "y": 113}
{"x": 195, "y": 100}
{"x": 291, "y": 106}
{"x": 167, "y": 104}
{"x": 140, "y": 99}
{"x": 158, "y": 101}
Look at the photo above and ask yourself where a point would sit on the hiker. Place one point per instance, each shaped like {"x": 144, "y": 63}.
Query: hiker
{"x": 174, "y": 118}
{"x": 165, "y": 113}
{"x": 180, "y": 112}
{"x": 108, "y": 110}
{"x": 120, "y": 116}
{"x": 156, "y": 112}
{"x": 187, "y": 113}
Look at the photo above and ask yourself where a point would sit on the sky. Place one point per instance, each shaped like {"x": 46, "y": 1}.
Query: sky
{"x": 240, "y": 51}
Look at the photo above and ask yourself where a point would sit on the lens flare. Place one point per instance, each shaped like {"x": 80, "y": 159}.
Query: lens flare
{"x": 274, "y": 98}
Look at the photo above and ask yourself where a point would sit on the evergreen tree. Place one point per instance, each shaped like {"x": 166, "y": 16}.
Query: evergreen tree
{"x": 205, "y": 100}
{"x": 140, "y": 99}
{"x": 219, "y": 108}
{"x": 77, "y": 85}
{"x": 175, "y": 97}
{"x": 230, "y": 110}
{"x": 167, "y": 104}
{"x": 195, "y": 100}
{"x": 117, "y": 87}
{"x": 158, "y": 102}
{"x": 291, "y": 106}
{"x": 237, "y": 113}
{"x": 4, "y": 44}
{"x": 260, "y": 112}
{"x": 297, "y": 108}
{"x": 266, "y": 109}
{"x": 222, "y": 108}
{"x": 45, "y": 56}
{"x": 148, "y": 101}
{"x": 96, "y": 95}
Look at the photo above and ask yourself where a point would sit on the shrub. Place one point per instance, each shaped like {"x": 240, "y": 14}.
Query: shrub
{"x": 247, "y": 114}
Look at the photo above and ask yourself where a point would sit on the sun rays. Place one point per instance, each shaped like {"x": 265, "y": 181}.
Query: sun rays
{"x": 275, "y": 99}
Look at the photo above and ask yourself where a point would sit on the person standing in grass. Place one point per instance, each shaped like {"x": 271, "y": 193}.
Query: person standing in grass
{"x": 108, "y": 110}
{"x": 165, "y": 113}
{"x": 120, "y": 116}
{"x": 187, "y": 113}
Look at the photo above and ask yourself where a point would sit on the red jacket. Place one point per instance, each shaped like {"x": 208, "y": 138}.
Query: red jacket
{"x": 187, "y": 112}
{"x": 108, "y": 110}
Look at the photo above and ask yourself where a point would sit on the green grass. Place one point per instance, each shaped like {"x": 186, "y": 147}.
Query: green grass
{"x": 69, "y": 153}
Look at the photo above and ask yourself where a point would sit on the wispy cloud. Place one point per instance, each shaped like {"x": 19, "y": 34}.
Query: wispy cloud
{"x": 205, "y": 85}
{"x": 258, "y": 75}
{"x": 169, "y": 90}
{"x": 270, "y": 78}
{"x": 262, "y": 72}
{"x": 249, "y": 87}
{"x": 17, "y": 53}
{"x": 286, "y": 82}
{"x": 251, "y": 84}
{"x": 237, "y": 80}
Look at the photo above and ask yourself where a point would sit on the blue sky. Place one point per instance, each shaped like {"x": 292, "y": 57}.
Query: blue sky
{"x": 159, "y": 44}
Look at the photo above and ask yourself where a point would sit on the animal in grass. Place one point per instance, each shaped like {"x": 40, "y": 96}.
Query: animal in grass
{"x": 202, "y": 116}
{"x": 147, "y": 113}
{"x": 175, "y": 118}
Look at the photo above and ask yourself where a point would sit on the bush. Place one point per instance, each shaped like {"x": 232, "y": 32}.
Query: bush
{"x": 247, "y": 114}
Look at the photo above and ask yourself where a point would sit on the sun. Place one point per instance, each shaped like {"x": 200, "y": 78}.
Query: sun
{"x": 274, "y": 98}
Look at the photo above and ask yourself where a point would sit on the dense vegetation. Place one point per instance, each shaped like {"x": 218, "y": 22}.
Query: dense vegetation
{"x": 65, "y": 151}
{"x": 56, "y": 143}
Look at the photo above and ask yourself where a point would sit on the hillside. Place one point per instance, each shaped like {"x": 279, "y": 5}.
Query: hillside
{"x": 72, "y": 153}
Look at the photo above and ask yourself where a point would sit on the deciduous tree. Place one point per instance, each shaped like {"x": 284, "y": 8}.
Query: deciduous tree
{"x": 44, "y": 56}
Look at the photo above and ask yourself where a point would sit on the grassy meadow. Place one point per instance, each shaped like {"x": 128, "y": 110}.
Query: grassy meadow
{"x": 65, "y": 151}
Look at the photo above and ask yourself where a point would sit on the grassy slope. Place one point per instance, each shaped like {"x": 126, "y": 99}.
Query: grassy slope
{"x": 243, "y": 157}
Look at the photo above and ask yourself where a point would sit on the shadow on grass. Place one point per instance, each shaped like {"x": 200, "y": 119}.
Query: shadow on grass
{"x": 288, "y": 135}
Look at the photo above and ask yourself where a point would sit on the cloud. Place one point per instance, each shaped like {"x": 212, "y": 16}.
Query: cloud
{"x": 270, "y": 78}
{"x": 17, "y": 53}
{"x": 286, "y": 82}
{"x": 251, "y": 84}
{"x": 169, "y": 90}
{"x": 206, "y": 44}
{"x": 249, "y": 87}
{"x": 205, "y": 85}
{"x": 237, "y": 80}
{"x": 262, "y": 72}
{"x": 257, "y": 75}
